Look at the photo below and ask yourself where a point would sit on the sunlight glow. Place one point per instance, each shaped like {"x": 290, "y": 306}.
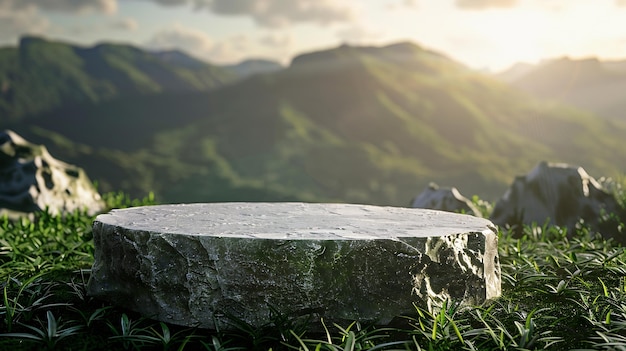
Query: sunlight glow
{"x": 515, "y": 38}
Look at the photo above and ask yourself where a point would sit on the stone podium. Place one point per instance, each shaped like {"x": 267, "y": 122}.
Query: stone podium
{"x": 205, "y": 265}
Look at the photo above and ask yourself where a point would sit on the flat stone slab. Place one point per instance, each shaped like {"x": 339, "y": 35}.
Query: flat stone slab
{"x": 206, "y": 265}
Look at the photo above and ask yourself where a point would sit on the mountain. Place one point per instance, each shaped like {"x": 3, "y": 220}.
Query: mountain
{"x": 180, "y": 59}
{"x": 241, "y": 70}
{"x": 40, "y": 75}
{"x": 352, "y": 124}
{"x": 590, "y": 84}
{"x": 515, "y": 72}
{"x": 254, "y": 66}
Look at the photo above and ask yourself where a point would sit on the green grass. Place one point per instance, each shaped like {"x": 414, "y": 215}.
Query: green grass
{"x": 559, "y": 293}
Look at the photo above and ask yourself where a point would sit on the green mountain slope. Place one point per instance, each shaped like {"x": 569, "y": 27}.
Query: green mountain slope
{"x": 354, "y": 124}
{"x": 590, "y": 84}
{"x": 41, "y": 75}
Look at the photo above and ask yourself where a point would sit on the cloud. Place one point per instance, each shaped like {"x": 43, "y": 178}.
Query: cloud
{"x": 19, "y": 17}
{"x": 14, "y": 23}
{"x": 69, "y": 6}
{"x": 484, "y": 4}
{"x": 229, "y": 50}
{"x": 358, "y": 34}
{"x": 128, "y": 24}
{"x": 402, "y": 5}
{"x": 200, "y": 44}
{"x": 275, "y": 13}
{"x": 279, "y": 13}
{"x": 276, "y": 41}
{"x": 179, "y": 37}
{"x": 199, "y": 4}
{"x": 102, "y": 26}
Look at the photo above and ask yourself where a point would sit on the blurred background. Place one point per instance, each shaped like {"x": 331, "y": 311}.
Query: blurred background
{"x": 316, "y": 100}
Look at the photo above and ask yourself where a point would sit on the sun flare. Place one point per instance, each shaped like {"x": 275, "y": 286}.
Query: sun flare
{"x": 514, "y": 38}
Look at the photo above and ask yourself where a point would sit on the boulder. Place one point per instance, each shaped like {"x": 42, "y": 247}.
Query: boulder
{"x": 559, "y": 193}
{"x": 444, "y": 199}
{"x": 208, "y": 265}
{"x": 31, "y": 180}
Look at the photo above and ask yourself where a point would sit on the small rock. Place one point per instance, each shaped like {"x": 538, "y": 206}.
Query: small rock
{"x": 560, "y": 193}
{"x": 31, "y": 180}
{"x": 444, "y": 199}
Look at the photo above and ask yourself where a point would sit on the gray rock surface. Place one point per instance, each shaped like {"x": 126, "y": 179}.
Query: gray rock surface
{"x": 560, "y": 193}
{"x": 201, "y": 264}
{"x": 32, "y": 180}
{"x": 444, "y": 199}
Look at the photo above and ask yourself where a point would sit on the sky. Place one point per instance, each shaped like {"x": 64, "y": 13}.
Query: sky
{"x": 483, "y": 34}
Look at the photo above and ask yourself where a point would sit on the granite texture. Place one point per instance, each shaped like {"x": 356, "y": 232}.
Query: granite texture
{"x": 31, "y": 180}
{"x": 444, "y": 199}
{"x": 205, "y": 264}
{"x": 562, "y": 195}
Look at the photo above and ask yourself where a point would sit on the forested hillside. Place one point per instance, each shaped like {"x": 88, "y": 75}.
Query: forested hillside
{"x": 351, "y": 124}
{"x": 41, "y": 75}
{"x": 590, "y": 84}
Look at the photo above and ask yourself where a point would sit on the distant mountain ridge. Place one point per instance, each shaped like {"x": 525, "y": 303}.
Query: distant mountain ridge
{"x": 590, "y": 84}
{"x": 250, "y": 67}
{"x": 242, "y": 69}
{"x": 351, "y": 124}
{"x": 40, "y": 75}
{"x": 179, "y": 58}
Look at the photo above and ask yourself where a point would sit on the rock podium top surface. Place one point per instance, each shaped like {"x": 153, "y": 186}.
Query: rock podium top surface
{"x": 294, "y": 221}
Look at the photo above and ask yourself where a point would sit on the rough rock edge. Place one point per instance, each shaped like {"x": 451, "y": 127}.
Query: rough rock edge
{"x": 33, "y": 181}
{"x": 201, "y": 281}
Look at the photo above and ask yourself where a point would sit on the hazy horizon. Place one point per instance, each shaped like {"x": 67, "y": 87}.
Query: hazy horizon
{"x": 482, "y": 34}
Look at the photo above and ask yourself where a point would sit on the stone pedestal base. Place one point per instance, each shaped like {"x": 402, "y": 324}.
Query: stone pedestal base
{"x": 203, "y": 264}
